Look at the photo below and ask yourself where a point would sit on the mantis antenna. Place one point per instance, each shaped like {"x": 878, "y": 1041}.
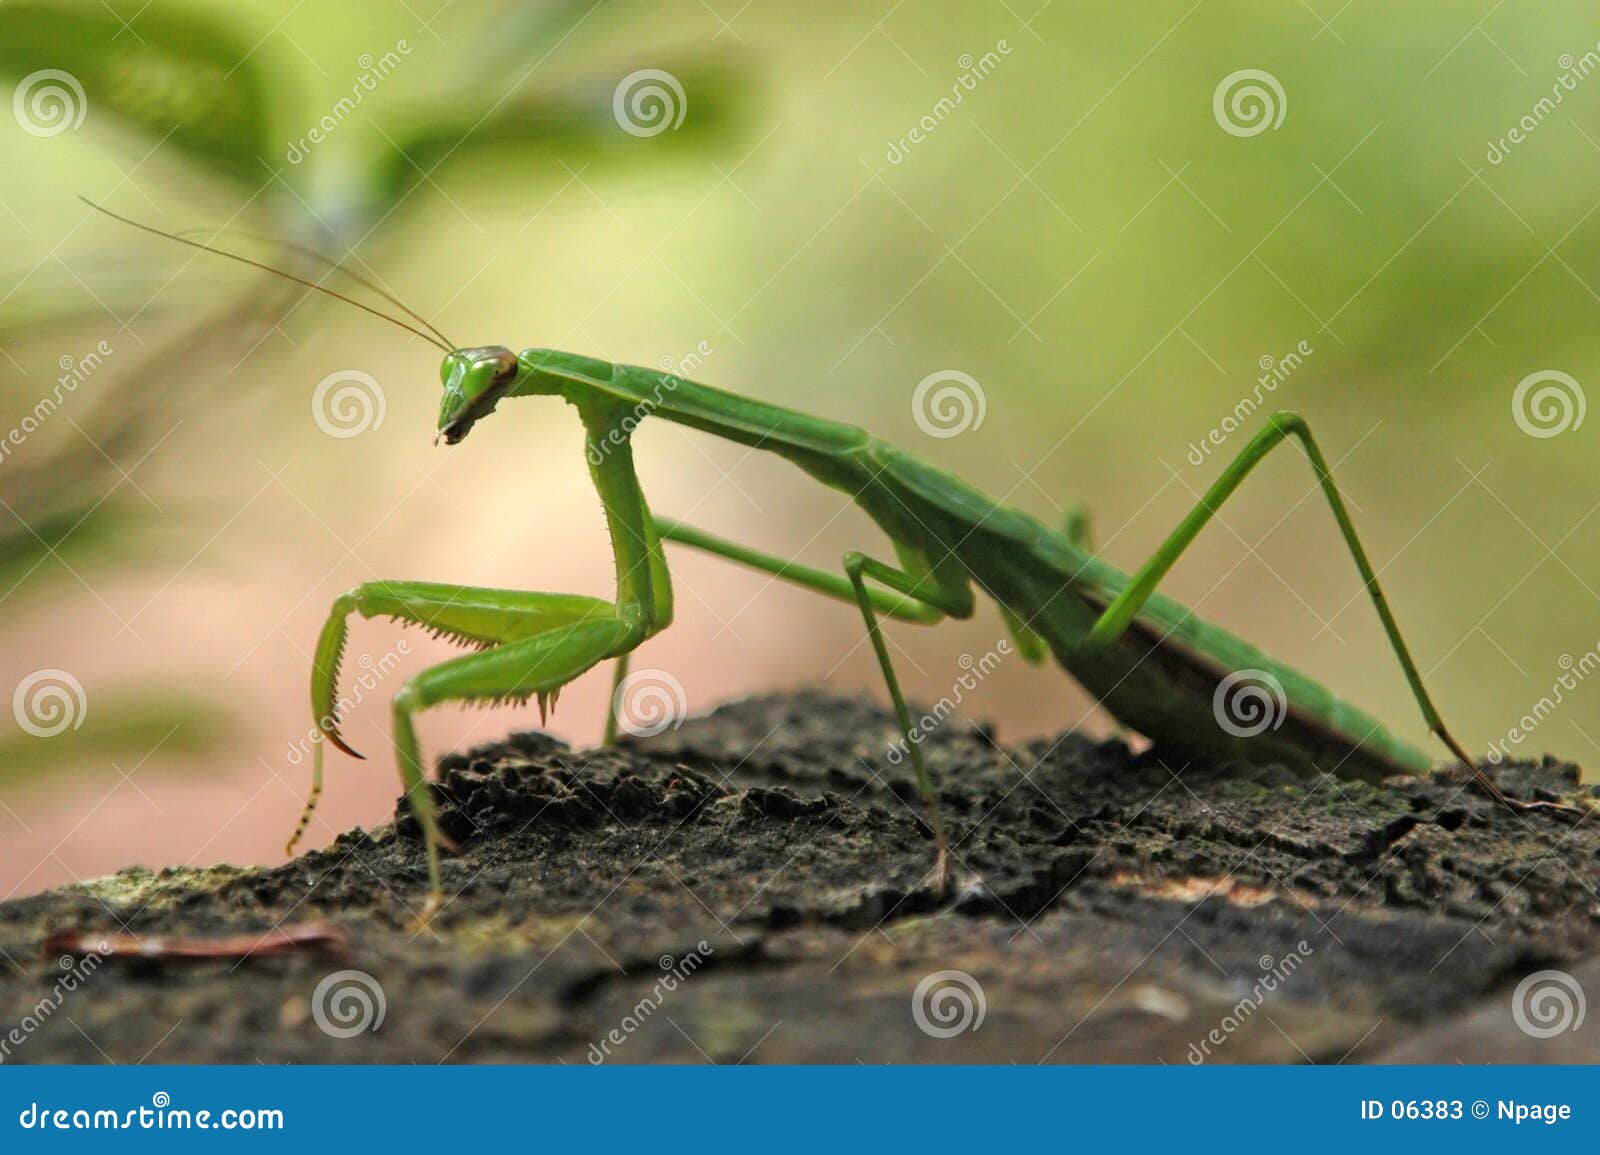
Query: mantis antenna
{"x": 331, "y": 265}
{"x": 426, "y": 336}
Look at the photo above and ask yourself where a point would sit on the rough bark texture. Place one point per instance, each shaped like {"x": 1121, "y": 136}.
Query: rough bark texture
{"x": 1112, "y": 908}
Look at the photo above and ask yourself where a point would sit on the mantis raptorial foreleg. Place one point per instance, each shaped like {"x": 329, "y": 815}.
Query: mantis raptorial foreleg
{"x": 533, "y": 643}
{"x": 1282, "y": 426}
{"x": 480, "y": 617}
{"x": 536, "y": 643}
{"x": 618, "y": 677}
{"x": 466, "y": 614}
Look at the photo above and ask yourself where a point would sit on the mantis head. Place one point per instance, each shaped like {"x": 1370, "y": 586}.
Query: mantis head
{"x": 474, "y": 381}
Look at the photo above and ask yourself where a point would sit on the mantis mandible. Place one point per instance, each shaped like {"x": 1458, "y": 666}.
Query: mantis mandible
{"x": 1153, "y": 664}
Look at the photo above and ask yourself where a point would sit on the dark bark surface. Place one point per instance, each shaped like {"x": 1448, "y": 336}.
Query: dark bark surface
{"x": 752, "y": 887}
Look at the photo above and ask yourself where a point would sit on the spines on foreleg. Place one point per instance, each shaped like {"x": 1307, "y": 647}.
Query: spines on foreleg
{"x": 325, "y": 670}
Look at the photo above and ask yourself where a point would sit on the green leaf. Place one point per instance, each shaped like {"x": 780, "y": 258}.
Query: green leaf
{"x": 116, "y": 730}
{"x": 576, "y": 123}
{"x": 85, "y": 538}
{"x": 181, "y": 78}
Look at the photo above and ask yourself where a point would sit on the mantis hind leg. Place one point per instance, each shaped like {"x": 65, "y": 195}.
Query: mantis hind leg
{"x": 1078, "y": 527}
{"x": 1280, "y": 427}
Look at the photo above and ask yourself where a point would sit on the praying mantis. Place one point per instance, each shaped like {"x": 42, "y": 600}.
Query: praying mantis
{"x": 1187, "y": 685}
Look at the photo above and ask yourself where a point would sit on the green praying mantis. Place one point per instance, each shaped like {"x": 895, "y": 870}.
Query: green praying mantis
{"x": 1185, "y": 684}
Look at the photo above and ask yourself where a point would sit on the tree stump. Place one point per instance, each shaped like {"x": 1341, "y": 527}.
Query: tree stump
{"x": 753, "y": 887}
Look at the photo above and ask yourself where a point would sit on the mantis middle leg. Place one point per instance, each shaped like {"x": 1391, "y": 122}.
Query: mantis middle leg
{"x": 925, "y": 599}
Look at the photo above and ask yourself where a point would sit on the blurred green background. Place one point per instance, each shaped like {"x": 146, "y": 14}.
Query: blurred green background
{"x": 1081, "y": 233}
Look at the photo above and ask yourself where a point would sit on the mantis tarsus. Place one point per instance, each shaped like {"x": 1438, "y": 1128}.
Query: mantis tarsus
{"x": 1154, "y": 665}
